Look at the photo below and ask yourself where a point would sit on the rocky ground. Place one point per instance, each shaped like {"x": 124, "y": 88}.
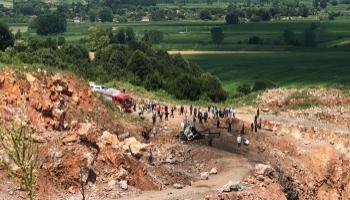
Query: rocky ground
{"x": 298, "y": 154}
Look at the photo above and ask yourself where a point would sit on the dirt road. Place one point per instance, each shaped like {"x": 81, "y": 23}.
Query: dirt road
{"x": 192, "y": 52}
{"x": 237, "y": 168}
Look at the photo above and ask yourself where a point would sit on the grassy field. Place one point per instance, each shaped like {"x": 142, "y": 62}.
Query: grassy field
{"x": 195, "y": 35}
{"x": 287, "y": 69}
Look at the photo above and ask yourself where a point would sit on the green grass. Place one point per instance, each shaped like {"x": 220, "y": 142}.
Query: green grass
{"x": 286, "y": 69}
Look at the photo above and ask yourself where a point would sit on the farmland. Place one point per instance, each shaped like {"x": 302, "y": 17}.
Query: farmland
{"x": 287, "y": 69}
{"x": 195, "y": 35}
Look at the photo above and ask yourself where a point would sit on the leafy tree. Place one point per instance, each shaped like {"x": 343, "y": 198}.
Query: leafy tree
{"x": 310, "y": 37}
{"x": 153, "y": 36}
{"x": 154, "y": 82}
{"x": 106, "y": 14}
{"x": 51, "y": 24}
{"x": 6, "y": 37}
{"x": 334, "y": 2}
{"x": 232, "y": 18}
{"x": 186, "y": 86}
{"x": 120, "y": 36}
{"x": 217, "y": 35}
{"x": 212, "y": 87}
{"x": 323, "y": 4}
{"x": 130, "y": 34}
{"x": 205, "y": 15}
{"x": 98, "y": 38}
{"x": 139, "y": 64}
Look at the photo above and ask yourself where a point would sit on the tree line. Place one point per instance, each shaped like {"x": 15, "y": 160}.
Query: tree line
{"x": 124, "y": 59}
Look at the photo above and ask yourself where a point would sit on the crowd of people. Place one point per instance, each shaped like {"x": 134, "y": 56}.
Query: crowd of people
{"x": 223, "y": 117}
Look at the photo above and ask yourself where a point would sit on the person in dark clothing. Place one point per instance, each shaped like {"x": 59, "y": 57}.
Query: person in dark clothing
{"x": 206, "y": 117}
{"x": 134, "y": 107}
{"x": 195, "y": 112}
{"x": 258, "y": 112}
{"x": 252, "y": 126}
{"x": 172, "y": 112}
{"x": 191, "y": 110}
{"x": 200, "y": 117}
{"x": 166, "y": 115}
{"x": 154, "y": 118}
{"x": 242, "y": 130}
{"x": 161, "y": 116}
{"x": 260, "y": 124}
{"x": 181, "y": 110}
{"x": 229, "y": 126}
{"x": 218, "y": 123}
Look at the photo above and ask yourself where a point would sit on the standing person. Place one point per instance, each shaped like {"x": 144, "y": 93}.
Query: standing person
{"x": 239, "y": 140}
{"x": 195, "y": 112}
{"x": 166, "y": 113}
{"x": 154, "y": 118}
{"x": 242, "y": 130}
{"x": 200, "y": 117}
{"x": 260, "y": 124}
{"x": 161, "y": 116}
{"x": 258, "y": 112}
{"x": 252, "y": 127}
{"x": 229, "y": 129}
{"x": 181, "y": 110}
{"x": 217, "y": 123}
{"x": 134, "y": 107}
{"x": 191, "y": 110}
{"x": 206, "y": 117}
{"x": 172, "y": 112}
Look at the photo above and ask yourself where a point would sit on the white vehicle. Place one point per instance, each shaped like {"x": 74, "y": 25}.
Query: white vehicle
{"x": 97, "y": 88}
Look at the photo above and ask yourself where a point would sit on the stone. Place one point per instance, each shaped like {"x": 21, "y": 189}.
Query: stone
{"x": 136, "y": 148}
{"x": 30, "y": 78}
{"x": 204, "y": 175}
{"x": 108, "y": 139}
{"x": 213, "y": 171}
{"x": 84, "y": 128}
{"x": 231, "y": 186}
{"x": 264, "y": 170}
{"x": 70, "y": 139}
{"x": 178, "y": 186}
{"x": 123, "y": 184}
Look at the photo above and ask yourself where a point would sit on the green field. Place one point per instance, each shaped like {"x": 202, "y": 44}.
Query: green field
{"x": 286, "y": 69}
{"x": 195, "y": 35}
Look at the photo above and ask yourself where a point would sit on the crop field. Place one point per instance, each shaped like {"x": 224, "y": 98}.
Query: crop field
{"x": 195, "y": 35}
{"x": 7, "y": 3}
{"x": 286, "y": 69}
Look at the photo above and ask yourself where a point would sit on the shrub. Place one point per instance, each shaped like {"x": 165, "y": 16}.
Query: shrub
{"x": 254, "y": 40}
{"x": 19, "y": 149}
{"x": 244, "y": 89}
{"x": 263, "y": 85}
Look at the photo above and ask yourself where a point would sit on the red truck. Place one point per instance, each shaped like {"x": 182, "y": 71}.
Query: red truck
{"x": 124, "y": 101}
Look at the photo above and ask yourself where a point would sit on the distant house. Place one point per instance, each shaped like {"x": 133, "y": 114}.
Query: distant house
{"x": 145, "y": 19}
{"x": 77, "y": 20}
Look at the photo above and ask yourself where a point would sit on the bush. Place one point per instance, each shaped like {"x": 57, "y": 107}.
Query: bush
{"x": 51, "y": 24}
{"x": 254, "y": 40}
{"x": 19, "y": 148}
{"x": 263, "y": 85}
{"x": 244, "y": 89}
{"x": 186, "y": 87}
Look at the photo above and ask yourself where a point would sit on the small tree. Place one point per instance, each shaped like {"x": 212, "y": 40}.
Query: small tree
{"x": 20, "y": 150}
{"x": 6, "y": 37}
{"x": 217, "y": 35}
{"x": 232, "y": 18}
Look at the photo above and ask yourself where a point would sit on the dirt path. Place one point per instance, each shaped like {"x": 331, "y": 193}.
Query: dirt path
{"x": 237, "y": 168}
{"x": 298, "y": 121}
{"x": 193, "y": 52}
